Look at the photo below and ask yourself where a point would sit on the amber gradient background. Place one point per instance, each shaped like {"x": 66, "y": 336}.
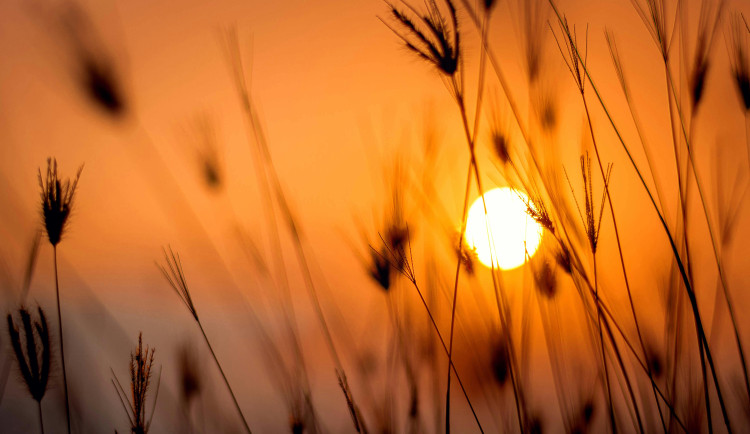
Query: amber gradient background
{"x": 340, "y": 100}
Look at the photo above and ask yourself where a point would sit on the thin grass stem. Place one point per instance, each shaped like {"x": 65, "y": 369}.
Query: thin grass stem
{"x": 41, "y": 420}
{"x": 62, "y": 345}
{"x": 224, "y": 377}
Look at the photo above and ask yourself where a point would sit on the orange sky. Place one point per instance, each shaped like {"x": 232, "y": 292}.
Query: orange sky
{"x": 340, "y": 100}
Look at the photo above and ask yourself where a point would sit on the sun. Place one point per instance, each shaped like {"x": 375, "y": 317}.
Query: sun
{"x": 513, "y": 232}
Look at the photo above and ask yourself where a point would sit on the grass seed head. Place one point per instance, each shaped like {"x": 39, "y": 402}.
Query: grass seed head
{"x": 439, "y": 44}
{"x": 738, "y": 57}
{"x": 546, "y": 281}
{"x": 500, "y": 360}
{"x": 57, "y": 200}
{"x": 34, "y": 357}
{"x": 380, "y": 269}
{"x": 189, "y": 369}
{"x": 102, "y": 87}
{"x": 590, "y": 219}
{"x": 500, "y": 145}
{"x": 141, "y": 364}
{"x": 562, "y": 257}
{"x": 175, "y": 276}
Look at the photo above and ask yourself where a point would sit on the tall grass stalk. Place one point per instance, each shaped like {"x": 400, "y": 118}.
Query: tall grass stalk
{"x": 175, "y": 276}
{"x": 445, "y": 54}
{"x": 714, "y": 245}
{"x": 681, "y": 266}
{"x": 274, "y": 187}
{"x": 672, "y": 95}
{"x": 408, "y": 272}
{"x": 234, "y": 58}
{"x": 57, "y": 203}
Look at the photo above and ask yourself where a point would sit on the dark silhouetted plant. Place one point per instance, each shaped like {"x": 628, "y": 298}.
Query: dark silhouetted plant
{"x": 175, "y": 276}
{"x": 34, "y": 358}
{"x": 141, "y": 364}
{"x": 57, "y": 203}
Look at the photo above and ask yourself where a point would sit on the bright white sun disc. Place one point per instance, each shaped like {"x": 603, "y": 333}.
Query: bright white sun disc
{"x": 513, "y": 232}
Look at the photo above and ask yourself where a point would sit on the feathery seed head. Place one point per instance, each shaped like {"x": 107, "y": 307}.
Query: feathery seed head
{"x": 536, "y": 209}
{"x": 57, "y": 200}
{"x": 175, "y": 276}
{"x": 34, "y": 364}
{"x": 591, "y": 221}
{"x": 439, "y": 45}
{"x": 571, "y": 52}
{"x": 141, "y": 363}
{"x": 654, "y": 17}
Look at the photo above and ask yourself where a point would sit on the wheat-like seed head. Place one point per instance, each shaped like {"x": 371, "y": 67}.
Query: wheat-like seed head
{"x": 33, "y": 360}
{"x": 141, "y": 364}
{"x": 175, "y": 276}
{"x": 57, "y": 200}
{"x": 439, "y": 45}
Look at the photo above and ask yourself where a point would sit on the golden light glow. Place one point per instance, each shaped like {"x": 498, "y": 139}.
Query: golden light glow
{"x": 513, "y": 232}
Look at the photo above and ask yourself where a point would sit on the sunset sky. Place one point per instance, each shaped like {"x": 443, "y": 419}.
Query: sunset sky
{"x": 344, "y": 106}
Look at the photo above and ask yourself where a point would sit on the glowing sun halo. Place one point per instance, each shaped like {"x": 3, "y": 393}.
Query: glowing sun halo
{"x": 509, "y": 226}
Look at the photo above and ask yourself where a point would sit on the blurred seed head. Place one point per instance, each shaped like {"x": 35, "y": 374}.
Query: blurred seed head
{"x": 297, "y": 426}
{"x": 189, "y": 367}
{"x": 654, "y": 359}
{"x": 489, "y": 5}
{"x": 97, "y": 75}
{"x": 738, "y": 57}
{"x": 380, "y": 268}
{"x": 205, "y": 143}
{"x": 468, "y": 257}
{"x": 101, "y": 85}
{"x": 396, "y": 239}
{"x": 500, "y": 145}
{"x": 547, "y": 113}
{"x": 707, "y": 25}
{"x": 57, "y": 200}
{"x": 583, "y": 416}
{"x": 534, "y": 424}
{"x": 499, "y": 134}
{"x": 698, "y": 80}
{"x": 34, "y": 353}
{"x": 533, "y": 19}
{"x": 562, "y": 257}
{"x": 500, "y": 360}
{"x": 546, "y": 281}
